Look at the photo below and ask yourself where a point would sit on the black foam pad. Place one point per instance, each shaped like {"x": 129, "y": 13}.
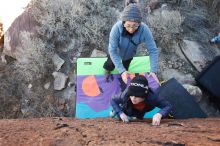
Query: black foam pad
{"x": 209, "y": 78}
{"x": 184, "y": 104}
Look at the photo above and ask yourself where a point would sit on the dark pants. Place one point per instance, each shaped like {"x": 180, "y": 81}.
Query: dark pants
{"x": 109, "y": 65}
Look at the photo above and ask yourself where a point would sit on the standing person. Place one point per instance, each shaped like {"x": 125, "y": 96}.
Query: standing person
{"x": 216, "y": 39}
{"x": 125, "y": 36}
{"x": 138, "y": 99}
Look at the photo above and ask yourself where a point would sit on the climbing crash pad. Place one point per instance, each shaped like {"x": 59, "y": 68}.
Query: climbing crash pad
{"x": 184, "y": 105}
{"x": 94, "y": 92}
{"x": 209, "y": 80}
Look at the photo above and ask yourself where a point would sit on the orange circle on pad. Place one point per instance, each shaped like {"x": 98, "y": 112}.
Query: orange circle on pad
{"x": 90, "y": 86}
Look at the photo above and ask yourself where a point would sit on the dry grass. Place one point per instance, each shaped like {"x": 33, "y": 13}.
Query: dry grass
{"x": 75, "y": 23}
{"x": 166, "y": 26}
{"x": 1, "y": 37}
{"x": 63, "y": 26}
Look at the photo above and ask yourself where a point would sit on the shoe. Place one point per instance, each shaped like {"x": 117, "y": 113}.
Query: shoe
{"x": 132, "y": 118}
{"x": 108, "y": 76}
{"x": 170, "y": 115}
{"x": 113, "y": 115}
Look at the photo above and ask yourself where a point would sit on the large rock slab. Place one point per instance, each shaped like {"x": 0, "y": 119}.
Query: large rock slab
{"x": 62, "y": 131}
{"x": 12, "y": 37}
{"x": 198, "y": 54}
{"x": 179, "y": 76}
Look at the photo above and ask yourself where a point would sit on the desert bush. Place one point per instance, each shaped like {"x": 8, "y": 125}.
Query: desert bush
{"x": 216, "y": 4}
{"x": 80, "y": 22}
{"x": 37, "y": 102}
{"x": 63, "y": 26}
{"x": 33, "y": 69}
{"x": 34, "y": 59}
{"x": 10, "y": 102}
{"x": 33, "y": 66}
{"x": 1, "y": 29}
{"x": 216, "y": 7}
{"x": 182, "y": 3}
{"x": 1, "y": 36}
{"x": 166, "y": 26}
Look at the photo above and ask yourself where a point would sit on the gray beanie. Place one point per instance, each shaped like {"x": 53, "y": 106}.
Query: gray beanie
{"x": 132, "y": 12}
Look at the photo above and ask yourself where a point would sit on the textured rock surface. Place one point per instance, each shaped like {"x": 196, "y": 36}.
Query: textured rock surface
{"x": 69, "y": 131}
{"x": 181, "y": 28}
{"x": 12, "y": 37}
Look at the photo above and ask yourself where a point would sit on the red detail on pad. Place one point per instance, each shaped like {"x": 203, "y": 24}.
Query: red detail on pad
{"x": 90, "y": 86}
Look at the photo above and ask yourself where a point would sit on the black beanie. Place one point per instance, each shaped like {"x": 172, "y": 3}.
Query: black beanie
{"x": 138, "y": 87}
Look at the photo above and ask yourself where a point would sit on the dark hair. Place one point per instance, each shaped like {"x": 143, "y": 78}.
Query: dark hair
{"x": 127, "y": 2}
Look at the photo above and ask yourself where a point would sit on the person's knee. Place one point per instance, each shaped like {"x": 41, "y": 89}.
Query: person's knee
{"x": 108, "y": 66}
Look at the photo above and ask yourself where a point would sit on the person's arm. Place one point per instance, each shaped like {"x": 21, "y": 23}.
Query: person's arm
{"x": 218, "y": 38}
{"x": 116, "y": 100}
{"x": 165, "y": 108}
{"x": 164, "y": 105}
{"x": 113, "y": 46}
{"x": 151, "y": 48}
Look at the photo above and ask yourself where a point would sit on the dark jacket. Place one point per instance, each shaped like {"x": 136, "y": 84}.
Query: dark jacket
{"x": 122, "y": 103}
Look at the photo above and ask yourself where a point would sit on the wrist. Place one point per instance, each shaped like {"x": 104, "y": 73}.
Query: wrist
{"x": 119, "y": 113}
{"x": 160, "y": 115}
{"x": 122, "y": 71}
{"x": 154, "y": 72}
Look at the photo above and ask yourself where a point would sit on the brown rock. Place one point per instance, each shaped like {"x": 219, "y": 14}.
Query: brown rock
{"x": 1, "y": 36}
{"x": 111, "y": 132}
{"x": 23, "y": 23}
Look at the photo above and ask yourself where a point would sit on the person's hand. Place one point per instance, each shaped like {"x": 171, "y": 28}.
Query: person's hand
{"x": 124, "y": 77}
{"x": 124, "y": 117}
{"x": 156, "y": 119}
{"x": 154, "y": 76}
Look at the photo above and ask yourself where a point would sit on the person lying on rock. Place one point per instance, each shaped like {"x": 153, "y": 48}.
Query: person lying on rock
{"x": 216, "y": 39}
{"x": 125, "y": 37}
{"x": 138, "y": 99}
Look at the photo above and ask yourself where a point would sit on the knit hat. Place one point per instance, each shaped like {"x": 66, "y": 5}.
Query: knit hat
{"x": 132, "y": 12}
{"x": 138, "y": 87}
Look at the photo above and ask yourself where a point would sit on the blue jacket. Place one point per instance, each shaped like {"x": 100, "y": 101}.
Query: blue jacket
{"x": 217, "y": 38}
{"x": 124, "y": 47}
{"x": 122, "y": 103}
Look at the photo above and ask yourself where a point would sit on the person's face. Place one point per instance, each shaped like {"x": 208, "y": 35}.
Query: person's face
{"x": 136, "y": 100}
{"x": 131, "y": 26}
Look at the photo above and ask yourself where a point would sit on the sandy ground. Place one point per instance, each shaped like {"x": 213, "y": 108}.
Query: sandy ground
{"x": 69, "y": 131}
